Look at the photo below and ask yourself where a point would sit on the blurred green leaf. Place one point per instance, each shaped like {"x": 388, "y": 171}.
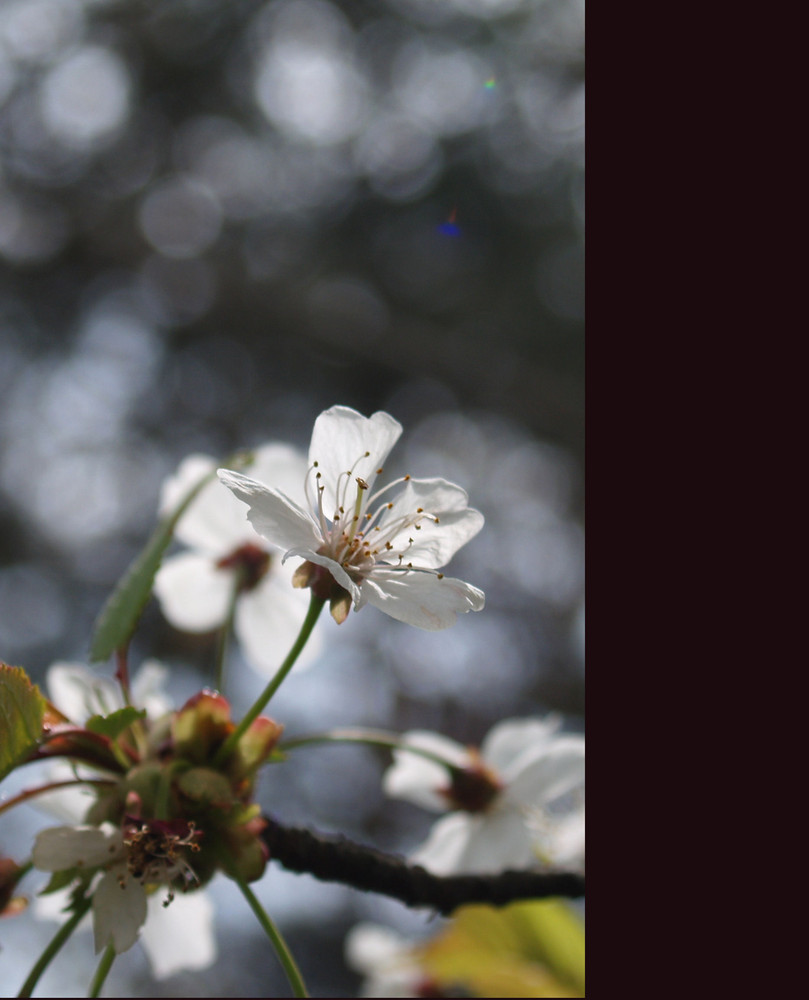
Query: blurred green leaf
{"x": 22, "y": 709}
{"x": 119, "y": 616}
{"x": 114, "y": 724}
{"x": 527, "y": 949}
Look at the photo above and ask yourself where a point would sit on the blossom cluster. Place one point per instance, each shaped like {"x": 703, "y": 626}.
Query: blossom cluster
{"x": 156, "y": 800}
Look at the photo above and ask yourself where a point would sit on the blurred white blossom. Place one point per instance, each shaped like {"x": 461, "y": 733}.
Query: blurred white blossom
{"x": 514, "y": 803}
{"x": 195, "y": 587}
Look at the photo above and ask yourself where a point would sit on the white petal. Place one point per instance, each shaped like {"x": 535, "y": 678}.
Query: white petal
{"x": 420, "y": 599}
{"x": 274, "y": 516}
{"x": 79, "y": 692}
{"x": 118, "y": 911}
{"x": 67, "y": 804}
{"x": 268, "y": 620}
{"x": 149, "y": 689}
{"x": 497, "y": 841}
{"x": 179, "y": 936}
{"x": 444, "y": 847}
{"x": 340, "y": 439}
{"x": 60, "y": 847}
{"x": 433, "y": 544}
{"x": 558, "y": 771}
{"x": 333, "y": 567}
{"x": 417, "y": 779}
{"x": 369, "y": 947}
{"x": 213, "y": 523}
{"x": 508, "y": 740}
{"x": 281, "y": 467}
{"x": 193, "y": 594}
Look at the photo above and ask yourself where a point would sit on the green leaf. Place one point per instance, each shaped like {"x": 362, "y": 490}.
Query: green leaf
{"x": 531, "y": 949}
{"x": 119, "y": 616}
{"x": 60, "y": 880}
{"x": 114, "y": 724}
{"x": 22, "y": 709}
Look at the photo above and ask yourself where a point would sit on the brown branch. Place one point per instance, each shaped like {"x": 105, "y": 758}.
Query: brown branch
{"x": 337, "y": 859}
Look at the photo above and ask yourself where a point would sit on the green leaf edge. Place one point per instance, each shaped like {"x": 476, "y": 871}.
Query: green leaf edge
{"x": 18, "y": 742}
{"x": 118, "y": 618}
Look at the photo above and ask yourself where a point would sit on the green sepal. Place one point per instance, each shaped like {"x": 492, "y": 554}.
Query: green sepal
{"x": 60, "y": 880}
{"x": 115, "y": 723}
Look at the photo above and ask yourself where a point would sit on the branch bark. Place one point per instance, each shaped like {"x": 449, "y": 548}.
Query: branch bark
{"x": 337, "y": 859}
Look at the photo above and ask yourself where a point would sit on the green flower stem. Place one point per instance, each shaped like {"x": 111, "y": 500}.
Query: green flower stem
{"x": 372, "y": 737}
{"x": 272, "y": 932}
{"x": 225, "y": 633}
{"x": 102, "y": 971}
{"x": 52, "y": 950}
{"x": 30, "y": 793}
{"x": 315, "y": 607}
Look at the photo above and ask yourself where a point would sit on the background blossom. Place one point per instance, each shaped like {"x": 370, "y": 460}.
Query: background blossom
{"x": 517, "y": 790}
{"x": 194, "y": 587}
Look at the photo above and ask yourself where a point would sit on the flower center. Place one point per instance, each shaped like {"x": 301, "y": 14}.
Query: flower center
{"x": 155, "y": 850}
{"x": 356, "y": 536}
{"x": 250, "y": 562}
{"x": 473, "y": 788}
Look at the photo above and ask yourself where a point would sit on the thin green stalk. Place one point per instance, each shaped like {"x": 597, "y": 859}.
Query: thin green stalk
{"x": 272, "y": 932}
{"x": 371, "y": 737}
{"x": 102, "y": 971}
{"x": 225, "y": 633}
{"x": 315, "y": 607}
{"x": 52, "y": 949}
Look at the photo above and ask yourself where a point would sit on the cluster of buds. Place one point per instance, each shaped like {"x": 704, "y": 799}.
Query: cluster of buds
{"x": 182, "y": 812}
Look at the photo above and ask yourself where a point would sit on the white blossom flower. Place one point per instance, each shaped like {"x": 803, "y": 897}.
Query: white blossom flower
{"x": 195, "y": 587}
{"x": 79, "y": 692}
{"x": 514, "y": 803}
{"x": 380, "y": 551}
{"x": 388, "y": 960}
{"x": 127, "y": 862}
{"x": 175, "y": 938}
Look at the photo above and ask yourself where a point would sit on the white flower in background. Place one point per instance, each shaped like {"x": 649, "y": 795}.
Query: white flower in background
{"x": 380, "y": 551}
{"x": 515, "y": 803}
{"x": 175, "y": 938}
{"x": 79, "y": 692}
{"x": 388, "y": 960}
{"x": 127, "y": 861}
{"x": 195, "y": 587}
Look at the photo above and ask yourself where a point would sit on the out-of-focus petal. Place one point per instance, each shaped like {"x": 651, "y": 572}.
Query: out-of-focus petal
{"x": 268, "y": 620}
{"x": 340, "y": 439}
{"x": 421, "y": 599}
{"x": 558, "y": 771}
{"x": 506, "y": 742}
{"x": 118, "y": 910}
{"x": 212, "y": 523}
{"x": 193, "y": 594}
{"x": 179, "y": 936}
{"x": 496, "y": 841}
{"x": 149, "y": 688}
{"x": 60, "y": 847}
{"x": 445, "y": 846}
{"x": 418, "y": 779}
{"x": 79, "y": 692}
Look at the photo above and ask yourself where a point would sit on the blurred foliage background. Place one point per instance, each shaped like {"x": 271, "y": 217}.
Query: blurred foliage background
{"x": 220, "y": 217}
